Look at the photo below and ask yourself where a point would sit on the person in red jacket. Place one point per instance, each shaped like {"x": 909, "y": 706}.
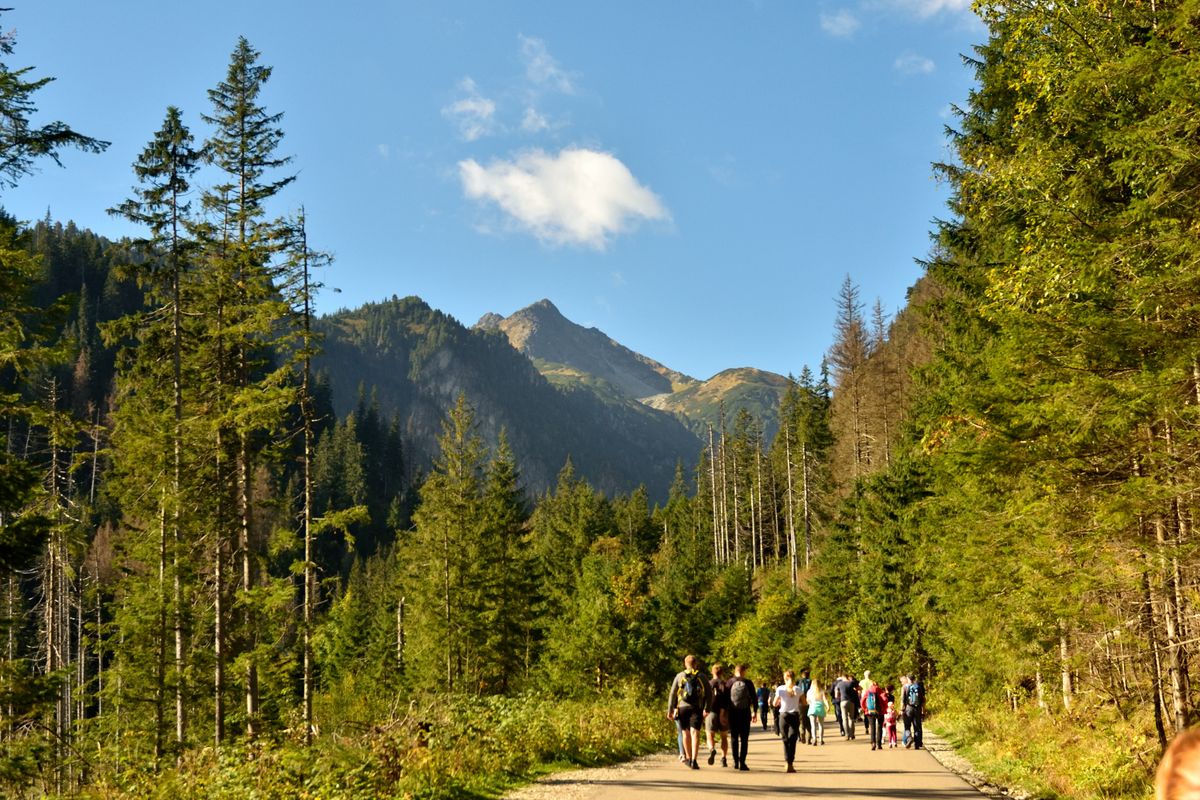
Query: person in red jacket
{"x": 873, "y": 704}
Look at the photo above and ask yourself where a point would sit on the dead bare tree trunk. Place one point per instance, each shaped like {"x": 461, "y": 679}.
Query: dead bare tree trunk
{"x": 1147, "y": 617}
{"x": 1064, "y": 656}
{"x": 712, "y": 467}
{"x": 790, "y": 513}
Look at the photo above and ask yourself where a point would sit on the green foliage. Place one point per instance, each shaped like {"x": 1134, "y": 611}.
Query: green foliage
{"x": 417, "y": 360}
{"x": 1094, "y": 752}
{"x": 766, "y": 638}
{"x": 21, "y": 143}
{"x": 475, "y": 746}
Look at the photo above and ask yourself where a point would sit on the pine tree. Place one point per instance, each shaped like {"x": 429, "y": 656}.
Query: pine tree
{"x": 21, "y": 144}
{"x": 510, "y": 589}
{"x": 443, "y": 552}
{"x": 164, "y": 170}
{"x": 848, "y": 358}
{"x": 243, "y": 147}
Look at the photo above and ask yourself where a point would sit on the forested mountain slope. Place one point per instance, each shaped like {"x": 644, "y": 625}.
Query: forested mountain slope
{"x": 418, "y": 360}
{"x": 569, "y": 354}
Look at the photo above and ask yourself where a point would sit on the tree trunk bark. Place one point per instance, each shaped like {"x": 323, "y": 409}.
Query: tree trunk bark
{"x": 791, "y": 516}
{"x": 1147, "y": 618}
{"x": 1064, "y": 656}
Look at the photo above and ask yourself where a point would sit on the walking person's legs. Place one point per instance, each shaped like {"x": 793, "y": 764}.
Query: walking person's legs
{"x": 848, "y": 718}
{"x": 917, "y": 730}
{"x": 691, "y": 720}
{"x": 739, "y": 731}
{"x": 791, "y": 732}
{"x": 837, "y": 712}
{"x": 735, "y": 735}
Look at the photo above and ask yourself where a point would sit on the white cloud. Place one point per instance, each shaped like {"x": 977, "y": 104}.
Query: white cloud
{"x": 384, "y": 150}
{"x": 910, "y": 63}
{"x": 534, "y": 121}
{"x": 842, "y": 23}
{"x": 474, "y": 114}
{"x": 579, "y": 196}
{"x": 618, "y": 279}
{"x": 541, "y": 68}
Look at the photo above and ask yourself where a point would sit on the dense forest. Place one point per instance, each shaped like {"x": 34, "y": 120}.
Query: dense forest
{"x": 213, "y": 579}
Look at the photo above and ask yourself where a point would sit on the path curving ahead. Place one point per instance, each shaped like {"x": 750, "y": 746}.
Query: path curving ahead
{"x": 840, "y": 769}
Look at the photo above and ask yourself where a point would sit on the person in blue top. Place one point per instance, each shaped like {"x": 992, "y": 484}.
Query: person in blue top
{"x": 914, "y": 709}
{"x": 764, "y": 698}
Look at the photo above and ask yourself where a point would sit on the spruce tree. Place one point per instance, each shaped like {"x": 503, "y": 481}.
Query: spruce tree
{"x": 445, "y": 545}
{"x": 242, "y": 244}
{"x": 164, "y": 170}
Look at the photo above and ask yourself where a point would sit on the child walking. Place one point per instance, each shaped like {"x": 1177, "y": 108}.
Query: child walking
{"x": 889, "y": 723}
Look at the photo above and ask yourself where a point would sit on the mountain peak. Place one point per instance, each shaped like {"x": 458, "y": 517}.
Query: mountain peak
{"x": 541, "y": 332}
{"x": 543, "y": 304}
{"x": 489, "y": 322}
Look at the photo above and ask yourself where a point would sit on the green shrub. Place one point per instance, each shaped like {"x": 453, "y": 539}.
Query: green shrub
{"x": 1091, "y": 752}
{"x": 437, "y": 747}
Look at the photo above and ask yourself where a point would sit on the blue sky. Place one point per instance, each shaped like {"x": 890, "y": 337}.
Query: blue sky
{"x": 693, "y": 178}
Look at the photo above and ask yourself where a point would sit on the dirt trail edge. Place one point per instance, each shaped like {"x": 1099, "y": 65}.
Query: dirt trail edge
{"x": 839, "y": 769}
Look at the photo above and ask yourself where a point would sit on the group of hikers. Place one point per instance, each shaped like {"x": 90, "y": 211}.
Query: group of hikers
{"x": 725, "y": 707}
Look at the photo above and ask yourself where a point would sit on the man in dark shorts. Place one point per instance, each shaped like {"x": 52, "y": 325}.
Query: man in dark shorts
{"x": 690, "y": 698}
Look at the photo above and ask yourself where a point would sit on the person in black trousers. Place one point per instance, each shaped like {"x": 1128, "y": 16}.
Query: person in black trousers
{"x": 787, "y": 700}
{"x": 914, "y": 709}
{"x": 742, "y": 701}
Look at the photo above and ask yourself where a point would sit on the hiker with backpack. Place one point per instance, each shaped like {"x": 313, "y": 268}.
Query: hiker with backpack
{"x": 689, "y": 698}
{"x": 787, "y": 700}
{"x": 817, "y": 705}
{"x": 742, "y": 711}
{"x": 804, "y": 684}
{"x": 764, "y": 700}
{"x": 716, "y": 721}
{"x": 873, "y": 704}
{"x": 914, "y": 711}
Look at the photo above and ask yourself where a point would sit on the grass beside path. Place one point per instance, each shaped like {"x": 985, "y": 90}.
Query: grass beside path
{"x": 475, "y": 748}
{"x": 1089, "y": 753}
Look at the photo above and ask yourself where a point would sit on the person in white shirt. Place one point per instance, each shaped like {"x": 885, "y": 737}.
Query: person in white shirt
{"x": 787, "y": 700}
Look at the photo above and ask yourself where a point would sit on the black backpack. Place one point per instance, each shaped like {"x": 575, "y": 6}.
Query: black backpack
{"x": 691, "y": 690}
{"x": 740, "y": 694}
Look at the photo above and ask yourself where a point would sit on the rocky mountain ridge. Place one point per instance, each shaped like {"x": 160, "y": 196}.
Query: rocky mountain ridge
{"x": 568, "y": 354}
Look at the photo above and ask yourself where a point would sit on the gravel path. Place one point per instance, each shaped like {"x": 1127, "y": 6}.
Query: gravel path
{"x": 839, "y": 769}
